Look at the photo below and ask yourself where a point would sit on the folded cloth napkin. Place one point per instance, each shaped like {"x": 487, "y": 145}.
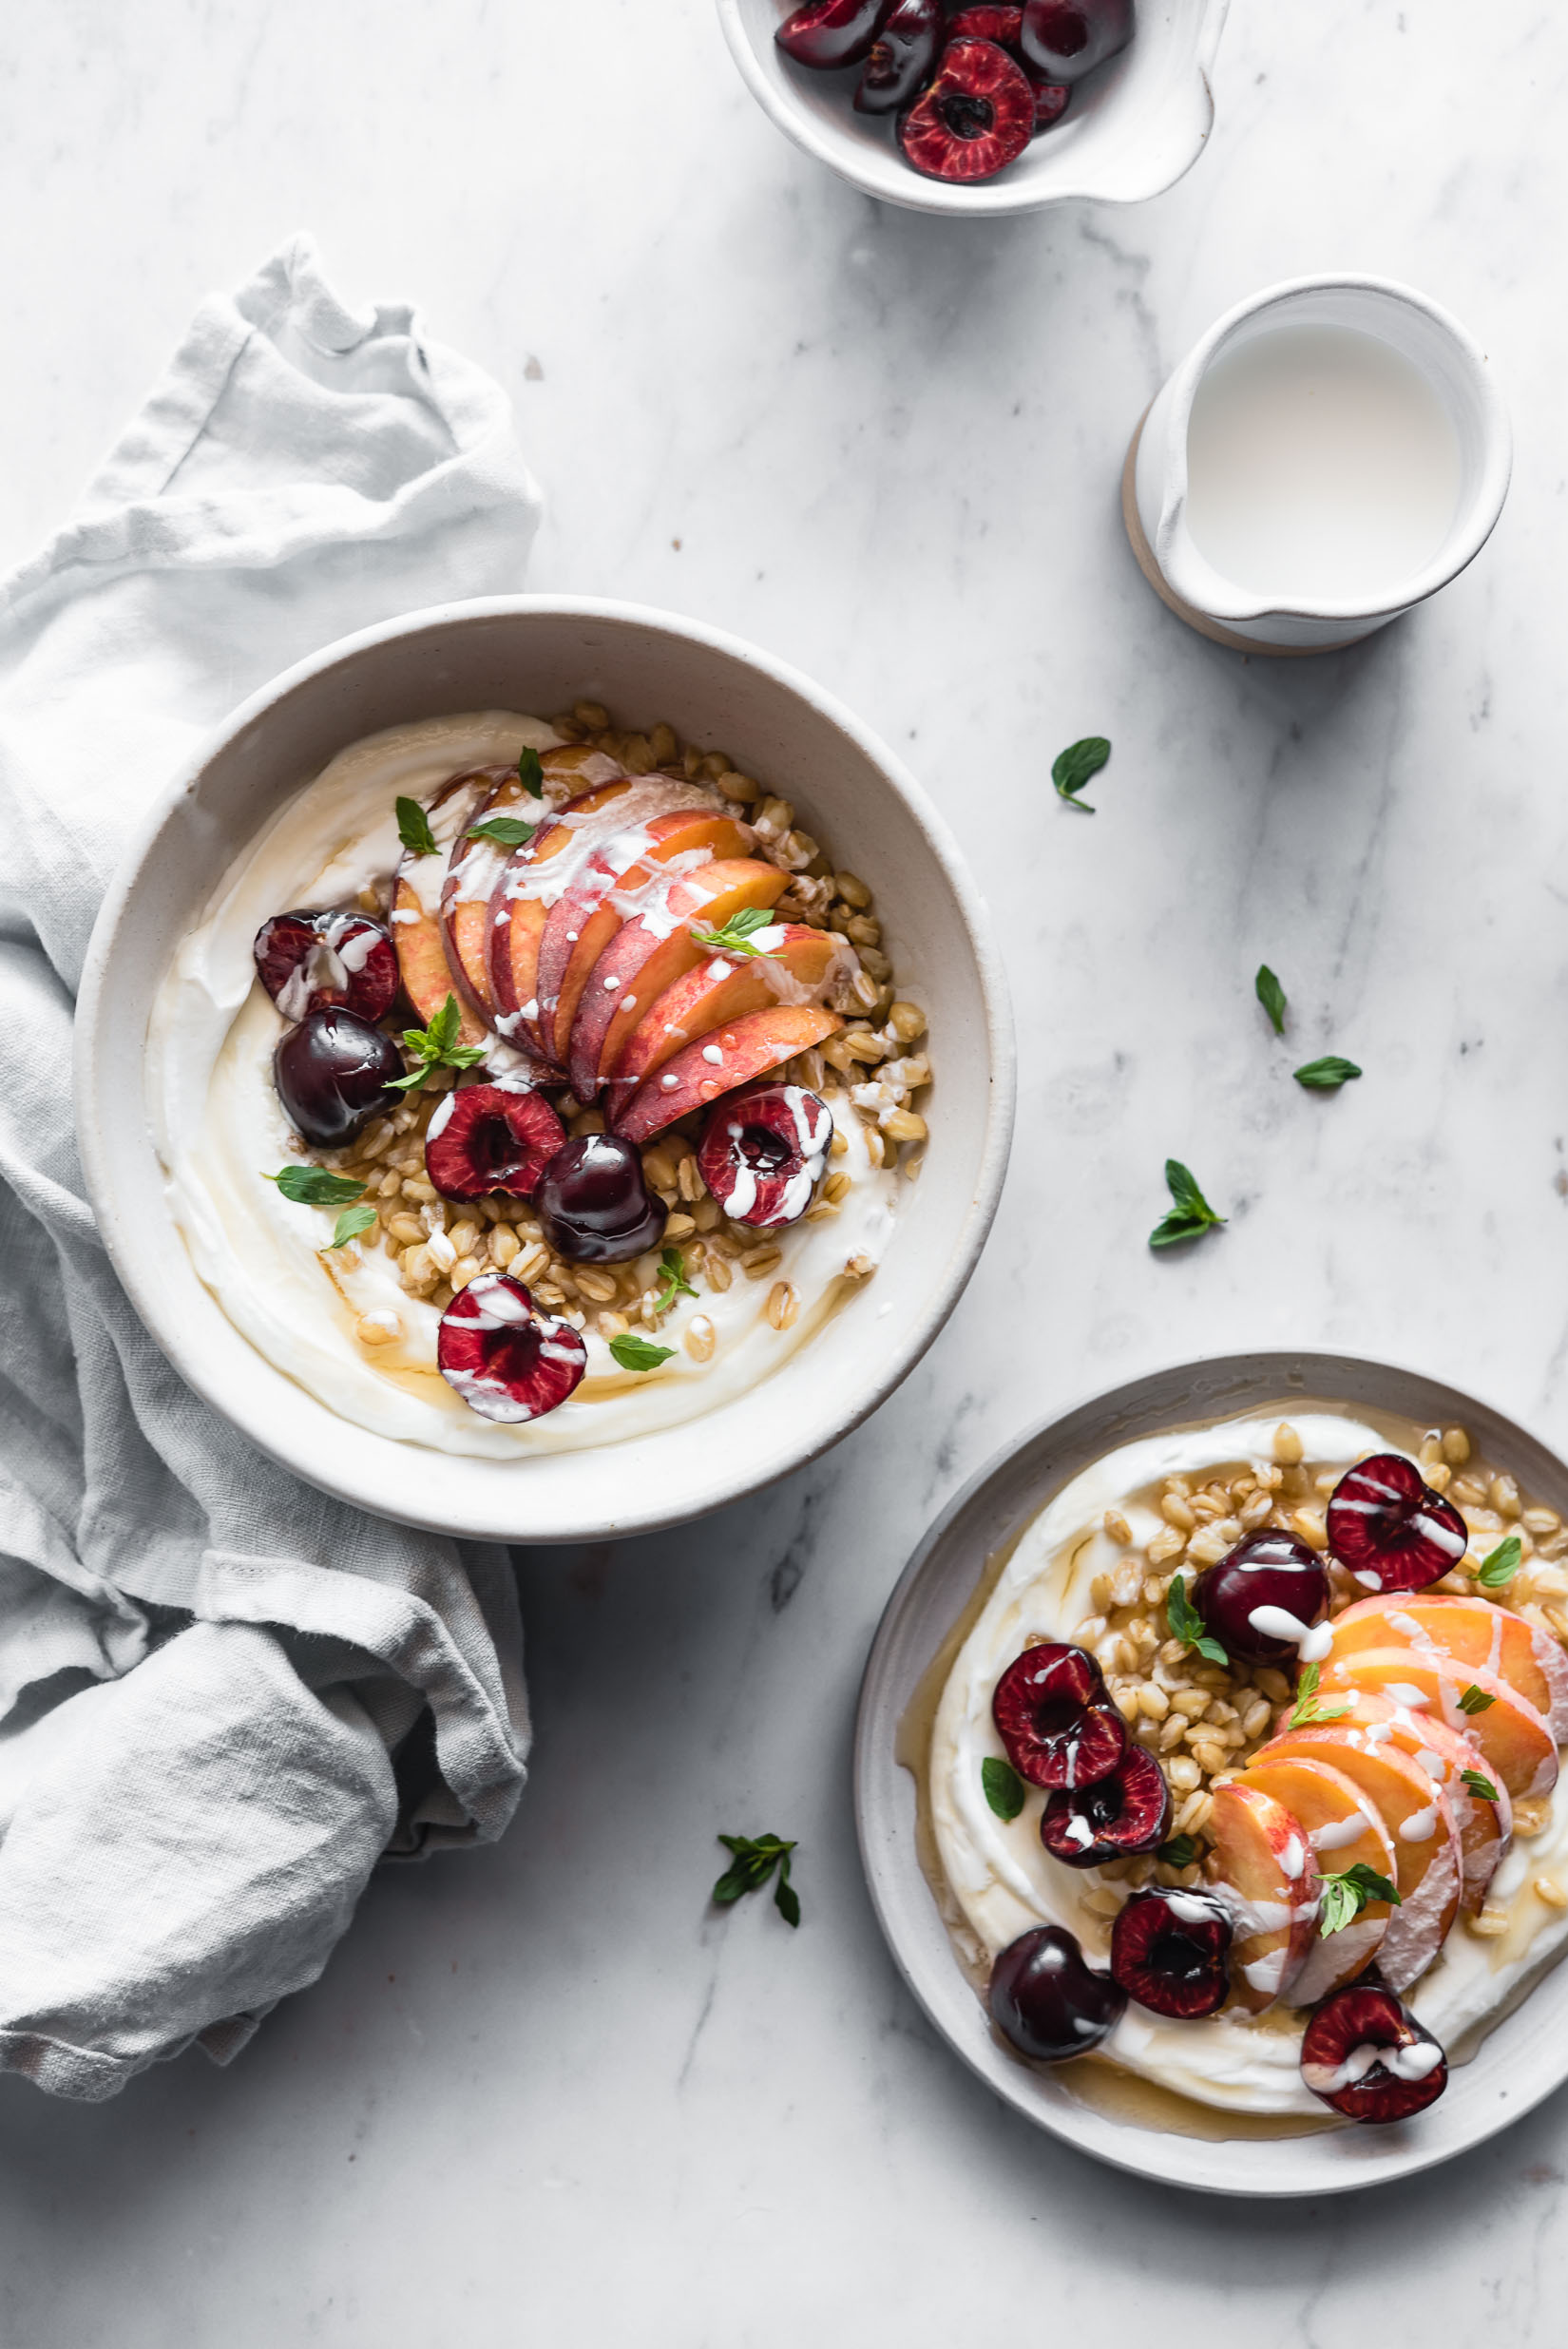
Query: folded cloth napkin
{"x": 223, "y": 1697}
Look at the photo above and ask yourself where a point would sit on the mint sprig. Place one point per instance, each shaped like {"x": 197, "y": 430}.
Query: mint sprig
{"x": 1078, "y": 765}
{"x": 634, "y": 1353}
{"x": 1345, "y": 1896}
{"x": 1475, "y": 1700}
{"x": 1328, "y": 1075}
{"x": 1502, "y": 1564}
{"x": 1189, "y": 1216}
{"x": 1310, "y": 1708}
{"x": 414, "y": 829}
{"x": 672, "y": 1280}
{"x": 1188, "y": 1626}
{"x": 1003, "y": 1786}
{"x": 1272, "y": 996}
{"x": 437, "y": 1046}
{"x": 754, "y": 1860}
{"x": 734, "y": 936}
{"x": 530, "y": 772}
{"x": 507, "y": 831}
{"x": 311, "y": 1186}
{"x": 1480, "y": 1783}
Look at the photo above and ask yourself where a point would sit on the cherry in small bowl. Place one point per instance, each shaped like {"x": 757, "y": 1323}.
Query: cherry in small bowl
{"x": 901, "y": 57}
{"x": 1123, "y": 1813}
{"x": 1367, "y": 2056}
{"x": 507, "y": 1360}
{"x": 1269, "y": 1576}
{"x": 990, "y": 22}
{"x": 310, "y": 961}
{"x": 484, "y": 1139}
{"x": 1054, "y": 1718}
{"x": 1066, "y": 39}
{"x": 1047, "y": 2001}
{"x": 594, "y": 1205}
{"x": 1170, "y": 1951}
{"x": 333, "y": 1075}
{"x": 1388, "y": 1527}
{"x": 975, "y": 116}
{"x": 762, "y": 1152}
{"x": 826, "y": 33}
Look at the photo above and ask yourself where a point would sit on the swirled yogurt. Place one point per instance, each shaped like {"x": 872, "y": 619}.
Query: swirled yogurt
{"x": 1003, "y": 1881}
{"x": 220, "y": 1130}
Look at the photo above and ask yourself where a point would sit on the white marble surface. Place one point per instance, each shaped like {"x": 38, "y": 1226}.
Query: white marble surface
{"x": 542, "y": 2093}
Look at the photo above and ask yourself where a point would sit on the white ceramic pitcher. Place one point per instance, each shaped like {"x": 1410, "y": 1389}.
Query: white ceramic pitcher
{"x": 1155, "y": 485}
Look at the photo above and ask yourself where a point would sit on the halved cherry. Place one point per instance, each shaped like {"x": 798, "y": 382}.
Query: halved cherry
{"x": 974, "y": 117}
{"x": 1125, "y": 1813}
{"x": 1068, "y": 38}
{"x": 825, "y": 33}
{"x": 1390, "y": 1529}
{"x": 762, "y": 1152}
{"x": 901, "y": 56}
{"x": 507, "y": 1360}
{"x": 1053, "y": 1716}
{"x": 1367, "y": 2056}
{"x": 485, "y": 1138}
{"x": 1004, "y": 25}
{"x": 310, "y": 961}
{"x": 1171, "y": 1950}
{"x": 720, "y": 1062}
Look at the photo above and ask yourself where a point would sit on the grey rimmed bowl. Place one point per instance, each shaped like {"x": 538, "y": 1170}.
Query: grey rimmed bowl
{"x": 1521, "y": 2062}
{"x": 538, "y": 654}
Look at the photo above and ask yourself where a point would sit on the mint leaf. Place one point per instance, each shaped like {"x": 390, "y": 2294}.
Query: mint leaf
{"x": 531, "y": 774}
{"x": 1502, "y": 1565}
{"x": 635, "y": 1353}
{"x": 1344, "y": 1896}
{"x": 1180, "y": 1852}
{"x": 414, "y": 829}
{"x": 1480, "y": 1783}
{"x": 351, "y": 1223}
{"x": 1475, "y": 1700}
{"x": 1190, "y": 1216}
{"x": 1003, "y": 1787}
{"x": 1310, "y": 1708}
{"x": 753, "y": 1861}
{"x": 1187, "y": 1625}
{"x": 1272, "y": 996}
{"x": 1078, "y": 765}
{"x": 1326, "y": 1076}
{"x": 507, "y": 831}
{"x": 311, "y": 1186}
{"x": 672, "y": 1280}
{"x": 735, "y": 934}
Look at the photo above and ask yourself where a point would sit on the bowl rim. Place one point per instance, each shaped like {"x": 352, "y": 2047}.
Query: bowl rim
{"x": 95, "y": 1133}
{"x": 1530, "y": 2062}
{"x": 989, "y": 199}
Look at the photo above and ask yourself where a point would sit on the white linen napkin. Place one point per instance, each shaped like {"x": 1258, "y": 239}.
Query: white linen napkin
{"x": 222, "y": 1697}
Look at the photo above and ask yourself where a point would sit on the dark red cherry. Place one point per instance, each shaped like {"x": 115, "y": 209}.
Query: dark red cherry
{"x": 490, "y": 1137}
{"x": 901, "y": 57}
{"x": 1052, "y": 1715}
{"x": 1129, "y": 1811}
{"x": 1047, "y": 2001}
{"x": 1268, "y": 1569}
{"x": 507, "y": 1360}
{"x": 593, "y": 1204}
{"x": 1170, "y": 1951}
{"x": 1066, "y": 39}
{"x": 831, "y": 32}
{"x": 308, "y": 961}
{"x": 762, "y": 1152}
{"x": 975, "y": 116}
{"x": 1004, "y": 26}
{"x": 334, "y": 1074}
{"x": 1390, "y": 1529}
{"x": 1365, "y": 2054}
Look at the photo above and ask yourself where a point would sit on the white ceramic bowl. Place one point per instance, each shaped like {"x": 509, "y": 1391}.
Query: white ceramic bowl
{"x": 1130, "y": 133}
{"x": 1519, "y": 2063}
{"x": 539, "y": 654}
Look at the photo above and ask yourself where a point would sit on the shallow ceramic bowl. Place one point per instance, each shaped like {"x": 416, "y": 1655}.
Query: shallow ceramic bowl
{"x": 1133, "y": 128}
{"x": 1519, "y": 2063}
{"x": 540, "y": 654}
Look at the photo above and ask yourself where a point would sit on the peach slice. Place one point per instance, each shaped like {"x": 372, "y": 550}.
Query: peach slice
{"x": 1485, "y": 1826}
{"x": 650, "y": 952}
{"x": 1265, "y": 1867}
{"x": 1345, "y": 1831}
{"x": 1413, "y": 1808}
{"x": 792, "y": 964}
{"x": 742, "y": 1051}
{"x": 1466, "y": 1630}
{"x": 422, "y": 959}
{"x": 1515, "y": 1745}
{"x": 517, "y": 913}
{"x": 582, "y": 923}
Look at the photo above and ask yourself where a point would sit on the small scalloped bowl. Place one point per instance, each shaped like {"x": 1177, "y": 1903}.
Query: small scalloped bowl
{"x": 1137, "y": 125}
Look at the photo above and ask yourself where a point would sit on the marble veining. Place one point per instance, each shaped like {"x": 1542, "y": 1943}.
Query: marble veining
{"x": 545, "y": 2091}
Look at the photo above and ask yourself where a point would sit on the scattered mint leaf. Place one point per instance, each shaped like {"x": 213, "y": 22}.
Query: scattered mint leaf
{"x": 634, "y": 1353}
{"x": 507, "y": 831}
{"x": 1480, "y": 1783}
{"x": 1272, "y": 996}
{"x": 1475, "y": 1700}
{"x": 1326, "y": 1076}
{"x": 531, "y": 774}
{"x": 1078, "y": 765}
{"x": 414, "y": 829}
{"x": 437, "y": 1046}
{"x": 1190, "y": 1216}
{"x": 351, "y": 1223}
{"x": 736, "y": 933}
{"x": 672, "y": 1280}
{"x": 1180, "y": 1852}
{"x": 1310, "y": 1706}
{"x": 311, "y": 1186}
{"x": 752, "y": 1861}
{"x": 1003, "y": 1787}
{"x": 1344, "y": 1896}
{"x": 1187, "y": 1625}
{"x": 1502, "y": 1564}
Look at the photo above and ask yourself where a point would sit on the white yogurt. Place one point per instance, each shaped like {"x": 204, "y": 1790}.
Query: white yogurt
{"x": 1004, "y": 1881}
{"x": 221, "y": 1129}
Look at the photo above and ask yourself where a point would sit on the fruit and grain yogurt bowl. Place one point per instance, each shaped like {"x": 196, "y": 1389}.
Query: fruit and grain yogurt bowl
{"x": 1243, "y": 1780}
{"x": 531, "y": 1083}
